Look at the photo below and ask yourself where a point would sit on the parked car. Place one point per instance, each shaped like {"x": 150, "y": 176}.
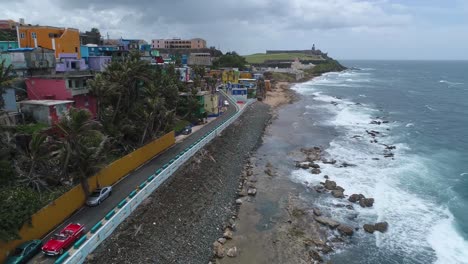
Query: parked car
{"x": 187, "y": 130}
{"x": 24, "y": 252}
{"x": 226, "y": 103}
{"x": 61, "y": 241}
{"x": 99, "y": 195}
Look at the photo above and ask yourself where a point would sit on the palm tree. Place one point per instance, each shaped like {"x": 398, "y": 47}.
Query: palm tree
{"x": 83, "y": 145}
{"x": 37, "y": 155}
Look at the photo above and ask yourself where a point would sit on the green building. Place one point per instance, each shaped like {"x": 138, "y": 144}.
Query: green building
{"x": 8, "y": 39}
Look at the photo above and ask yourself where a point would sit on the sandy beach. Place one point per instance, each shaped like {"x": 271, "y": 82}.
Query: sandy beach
{"x": 280, "y": 94}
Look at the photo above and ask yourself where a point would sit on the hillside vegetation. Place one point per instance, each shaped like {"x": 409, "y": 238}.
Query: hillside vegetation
{"x": 262, "y": 57}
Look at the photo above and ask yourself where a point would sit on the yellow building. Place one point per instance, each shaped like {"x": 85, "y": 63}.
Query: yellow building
{"x": 231, "y": 76}
{"x": 62, "y": 40}
{"x": 245, "y": 75}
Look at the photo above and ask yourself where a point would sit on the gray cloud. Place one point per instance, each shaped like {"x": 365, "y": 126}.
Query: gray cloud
{"x": 246, "y": 26}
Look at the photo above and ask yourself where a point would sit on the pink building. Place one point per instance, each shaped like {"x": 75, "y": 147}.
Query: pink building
{"x": 67, "y": 87}
{"x": 177, "y": 43}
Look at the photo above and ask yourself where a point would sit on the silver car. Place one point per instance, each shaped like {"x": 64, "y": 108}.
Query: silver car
{"x": 99, "y": 195}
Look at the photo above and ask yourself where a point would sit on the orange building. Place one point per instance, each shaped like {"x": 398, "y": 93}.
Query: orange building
{"x": 62, "y": 40}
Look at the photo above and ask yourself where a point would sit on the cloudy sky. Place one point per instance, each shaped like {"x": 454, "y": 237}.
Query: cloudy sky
{"x": 347, "y": 29}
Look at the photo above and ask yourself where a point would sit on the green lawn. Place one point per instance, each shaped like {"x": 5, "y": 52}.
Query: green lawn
{"x": 261, "y": 57}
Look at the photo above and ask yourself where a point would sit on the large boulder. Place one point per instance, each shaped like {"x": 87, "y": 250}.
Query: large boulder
{"x": 252, "y": 191}
{"x": 218, "y": 249}
{"x": 315, "y": 171}
{"x": 315, "y": 166}
{"x": 369, "y": 228}
{"x": 232, "y": 252}
{"x": 330, "y": 185}
{"x": 356, "y": 197}
{"x": 345, "y": 230}
{"x": 303, "y": 165}
{"x": 327, "y": 221}
{"x": 366, "y": 202}
{"x": 381, "y": 227}
{"x": 227, "y": 233}
{"x": 337, "y": 194}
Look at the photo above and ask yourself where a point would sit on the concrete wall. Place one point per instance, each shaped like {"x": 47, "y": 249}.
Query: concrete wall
{"x": 60, "y": 209}
{"x": 40, "y": 113}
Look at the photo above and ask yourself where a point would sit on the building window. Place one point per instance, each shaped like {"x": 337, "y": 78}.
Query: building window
{"x": 70, "y": 84}
{"x": 76, "y": 49}
{"x": 22, "y": 35}
{"x": 33, "y": 35}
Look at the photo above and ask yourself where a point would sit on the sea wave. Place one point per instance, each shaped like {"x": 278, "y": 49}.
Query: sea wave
{"x": 450, "y": 84}
{"x": 395, "y": 183}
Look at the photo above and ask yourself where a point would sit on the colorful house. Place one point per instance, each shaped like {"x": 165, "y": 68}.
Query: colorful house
{"x": 71, "y": 87}
{"x": 6, "y": 45}
{"x": 30, "y": 61}
{"x": 70, "y": 62}
{"x": 8, "y": 36}
{"x": 245, "y": 75}
{"x": 230, "y": 76}
{"x": 91, "y": 50}
{"x": 61, "y": 40}
{"x": 184, "y": 73}
{"x": 46, "y": 111}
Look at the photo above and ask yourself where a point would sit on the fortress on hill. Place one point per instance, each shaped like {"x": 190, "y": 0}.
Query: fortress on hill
{"x": 312, "y": 51}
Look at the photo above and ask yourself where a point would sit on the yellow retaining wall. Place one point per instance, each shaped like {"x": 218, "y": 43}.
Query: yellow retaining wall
{"x": 63, "y": 207}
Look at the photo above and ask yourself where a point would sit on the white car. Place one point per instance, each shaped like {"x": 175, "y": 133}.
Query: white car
{"x": 99, "y": 195}
{"x": 226, "y": 103}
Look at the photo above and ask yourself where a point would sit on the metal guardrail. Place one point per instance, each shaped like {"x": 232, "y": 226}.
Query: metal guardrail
{"x": 101, "y": 230}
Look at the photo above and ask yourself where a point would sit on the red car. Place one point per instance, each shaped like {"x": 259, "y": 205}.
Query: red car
{"x": 61, "y": 241}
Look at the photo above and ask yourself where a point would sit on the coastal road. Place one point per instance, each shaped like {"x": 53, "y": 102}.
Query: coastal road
{"x": 89, "y": 216}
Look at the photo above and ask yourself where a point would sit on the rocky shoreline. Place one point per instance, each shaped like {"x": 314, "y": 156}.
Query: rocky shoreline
{"x": 180, "y": 221}
{"x": 300, "y": 232}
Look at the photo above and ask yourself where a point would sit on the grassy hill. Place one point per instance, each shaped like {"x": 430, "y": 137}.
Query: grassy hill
{"x": 262, "y": 57}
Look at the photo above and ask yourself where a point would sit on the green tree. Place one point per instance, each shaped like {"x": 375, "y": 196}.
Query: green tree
{"x": 231, "y": 60}
{"x": 37, "y": 155}
{"x": 83, "y": 145}
{"x": 17, "y": 207}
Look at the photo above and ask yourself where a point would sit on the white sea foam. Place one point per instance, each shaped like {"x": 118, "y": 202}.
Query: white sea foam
{"x": 447, "y": 243}
{"x": 450, "y": 84}
{"x": 418, "y": 226}
{"x": 430, "y": 107}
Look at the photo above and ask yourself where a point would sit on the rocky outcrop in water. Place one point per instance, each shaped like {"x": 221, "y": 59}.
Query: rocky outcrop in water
{"x": 381, "y": 227}
{"x": 345, "y": 230}
{"x": 366, "y": 202}
{"x": 330, "y": 185}
{"x": 327, "y": 221}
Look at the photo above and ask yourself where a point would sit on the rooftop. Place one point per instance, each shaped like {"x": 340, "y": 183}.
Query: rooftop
{"x": 46, "y": 102}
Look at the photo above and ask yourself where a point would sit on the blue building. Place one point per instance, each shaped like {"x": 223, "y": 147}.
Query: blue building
{"x": 96, "y": 51}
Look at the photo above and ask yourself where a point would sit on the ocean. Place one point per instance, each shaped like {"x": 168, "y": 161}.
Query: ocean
{"x": 421, "y": 108}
